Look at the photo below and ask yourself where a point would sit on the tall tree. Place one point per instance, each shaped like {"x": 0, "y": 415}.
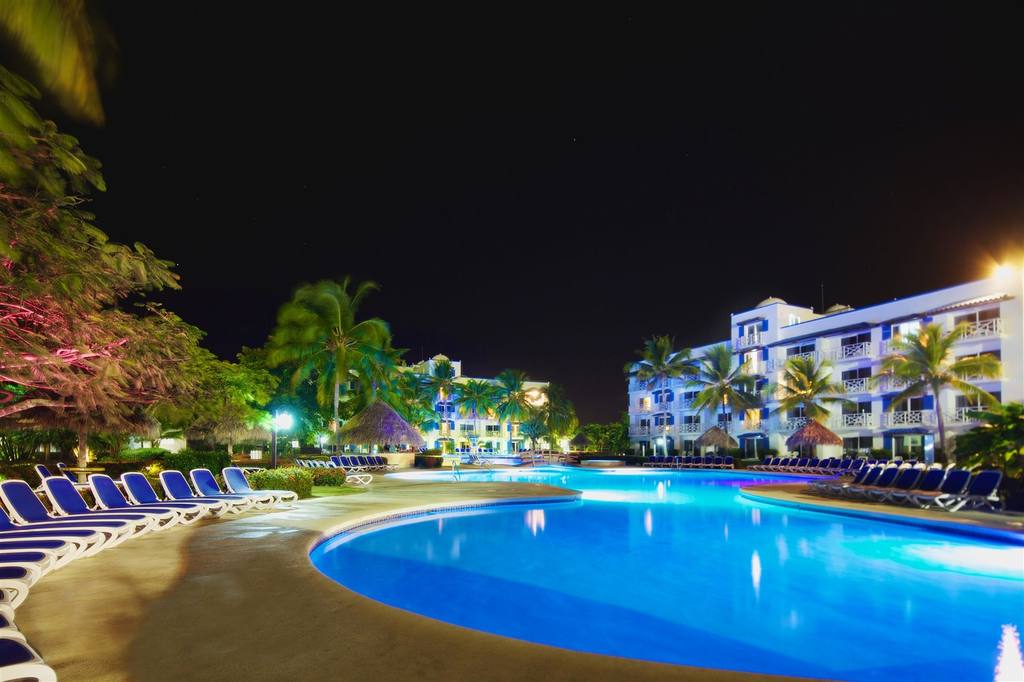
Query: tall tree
{"x": 534, "y": 428}
{"x": 723, "y": 387}
{"x": 659, "y": 362}
{"x": 319, "y": 336}
{"x": 440, "y": 380}
{"x": 74, "y": 354}
{"x": 558, "y": 413}
{"x": 807, "y": 384}
{"x": 513, "y": 405}
{"x": 926, "y": 364}
{"x": 475, "y": 398}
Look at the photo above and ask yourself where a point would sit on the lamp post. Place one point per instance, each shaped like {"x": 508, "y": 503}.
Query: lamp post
{"x": 282, "y": 421}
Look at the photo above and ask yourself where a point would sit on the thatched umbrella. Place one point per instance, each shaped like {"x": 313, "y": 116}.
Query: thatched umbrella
{"x": 379, "y": 424}
{"x": 580, "y": 442}
{"x": 811, "y": 434}
{"x": 716, "y": 437}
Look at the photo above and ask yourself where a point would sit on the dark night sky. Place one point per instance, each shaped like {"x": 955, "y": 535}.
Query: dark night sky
{"x": 542, "y": 192}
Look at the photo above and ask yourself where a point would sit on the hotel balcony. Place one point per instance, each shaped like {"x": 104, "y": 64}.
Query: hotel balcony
{"x": 788, "y": 425}
{"x": 755, "y": 424}
{"x": 908, "y": 418}
{"x": 983, "y": 329}
{"x": 691, "y": 428}
{"x": 779, "y": 363}
{"x": 856, "y": 420}
{"x": 857, "y": 385}
{"x": 961, "y": 415}
{"x": 639, "y": 430}
{"x": 749, "y": 340}
{"x": 642, "y": 409}
{"x": 851, "y": 351}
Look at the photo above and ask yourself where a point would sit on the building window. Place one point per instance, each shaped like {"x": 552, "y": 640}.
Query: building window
{"x": 858, "y": 444}
{"x": 859, "y": 373}
{"x": 800, "y": 350}
{"x": 796, "y": 413}
{"x": 690, "y": 396}
{"x": 910, "y": 405}
{"x": 976, "y": 316}
{"x": 974, "y": 402}
{"x": 854, "y": 340}
{"x": 664, "y": 419}
{"x": 691, "y": 419}
{"x": 863, "y": 407}
{"x": 725, "y": 418}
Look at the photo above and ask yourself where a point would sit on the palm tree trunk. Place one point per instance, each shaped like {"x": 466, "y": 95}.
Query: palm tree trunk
{"x": 83, "y": 448}
{"x": 950, "y": 458}
{"x": 337, "y": 426}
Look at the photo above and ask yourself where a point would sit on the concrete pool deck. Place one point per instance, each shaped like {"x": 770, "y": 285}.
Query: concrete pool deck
{"x": 239, "y": 600}
{"x": 1009, "y": 526}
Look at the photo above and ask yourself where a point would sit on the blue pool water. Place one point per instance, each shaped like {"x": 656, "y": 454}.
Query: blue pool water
{"x": 677, "y": 567}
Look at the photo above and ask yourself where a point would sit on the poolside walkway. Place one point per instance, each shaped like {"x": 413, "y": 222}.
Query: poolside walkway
{"x": 799, "y": 493}
{"x": 239, "y": 600}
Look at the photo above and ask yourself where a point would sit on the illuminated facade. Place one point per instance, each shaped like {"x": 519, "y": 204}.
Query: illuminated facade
{"x": 854, "y": 342}
{"x": 486, "y": 434}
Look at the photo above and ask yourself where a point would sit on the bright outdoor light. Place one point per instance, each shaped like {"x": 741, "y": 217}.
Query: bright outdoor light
{"x": 1004, "y": 270}
{"x": 283, "y": 421}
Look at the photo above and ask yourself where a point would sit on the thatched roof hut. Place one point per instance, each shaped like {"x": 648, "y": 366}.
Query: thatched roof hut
{"x": 580, "y": 441}
{"x": 379, "y": 424}
{"x": 716, "y": 437}
{"x": 810, "y": 434}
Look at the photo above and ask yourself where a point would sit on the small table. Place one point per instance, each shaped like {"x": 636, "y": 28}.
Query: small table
{"x": 83, "y": 472}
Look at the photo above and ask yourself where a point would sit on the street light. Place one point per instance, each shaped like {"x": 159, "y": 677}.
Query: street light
{"x": 282, "y": 421}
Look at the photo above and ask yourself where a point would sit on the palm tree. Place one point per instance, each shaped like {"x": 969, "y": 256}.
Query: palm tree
{"x": 534, "y": 428}
{"x": 723, "y": 386}
{"x": 476, "y": 398}
{"x": 558, "y": 413}
{"x": 414, "y": 401}
{"x": 64, "y": 41}
{"x": 926, "y": 364}
{"x": 441, "y": 382}
{"x": 808, "y": 384}
{"x": 513, "y": 405}
{"x": 659, "y": 362}
{"x": 317, "y": 333}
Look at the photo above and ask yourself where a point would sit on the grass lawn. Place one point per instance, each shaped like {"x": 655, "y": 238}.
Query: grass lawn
{"x": 332, "y": 490}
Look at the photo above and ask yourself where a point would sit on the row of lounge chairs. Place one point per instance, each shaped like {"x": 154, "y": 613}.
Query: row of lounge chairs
{"x": 690, "y": 462}
{"x": 951, "y": 489}
{"x": 357, "y": 467}
{"x": 35, "y": 540}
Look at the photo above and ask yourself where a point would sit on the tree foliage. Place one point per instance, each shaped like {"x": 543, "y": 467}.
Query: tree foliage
{"x": 997, "y": 443}
{"x": 71, "y": 352}
{"x": 807, "y": 384}
{"x": 926, "y": 364}
{"x": 659, "y": 362}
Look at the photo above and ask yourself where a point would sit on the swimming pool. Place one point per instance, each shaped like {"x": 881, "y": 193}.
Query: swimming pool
{"x": 677, "y": 567}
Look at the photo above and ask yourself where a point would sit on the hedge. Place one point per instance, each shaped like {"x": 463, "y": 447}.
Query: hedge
{"x": 333, "y": 477}
{"x": 141, "y": 454}
{"x": 296, "y": 479}
{"x": 186, "y": 460}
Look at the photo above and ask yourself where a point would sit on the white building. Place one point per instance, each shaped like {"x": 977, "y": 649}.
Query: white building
{"x": 485, "y": 434}
{"x": 854, "y": 341}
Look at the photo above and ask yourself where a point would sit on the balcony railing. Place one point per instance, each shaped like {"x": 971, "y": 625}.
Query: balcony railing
{"x": 690, "y": 428}
{"x": 961, "y": 415}
{"x": 791, "y": 424}
{"x": 752, "y": 424}
{"x": 855, "y": 420}
{"x": 909, "y": 418}
{"x": 751, "y": 339}
{"x": 642, "y": 408}
{"x": 779, "y": 363}
{"x": 984, "y": 328}
{"x": 640, "y": 430}
{"x": 857, "y": 385}
{"x": 849, "y": 352}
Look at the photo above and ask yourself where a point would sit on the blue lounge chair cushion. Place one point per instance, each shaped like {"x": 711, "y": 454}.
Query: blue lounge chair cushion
{"x": 22, "y": 557}
{"x": 13, "y": 652}
{"x": 12, "y": 572}
{"x": 73, "y": 504}
{"x": 29, "y": 543}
